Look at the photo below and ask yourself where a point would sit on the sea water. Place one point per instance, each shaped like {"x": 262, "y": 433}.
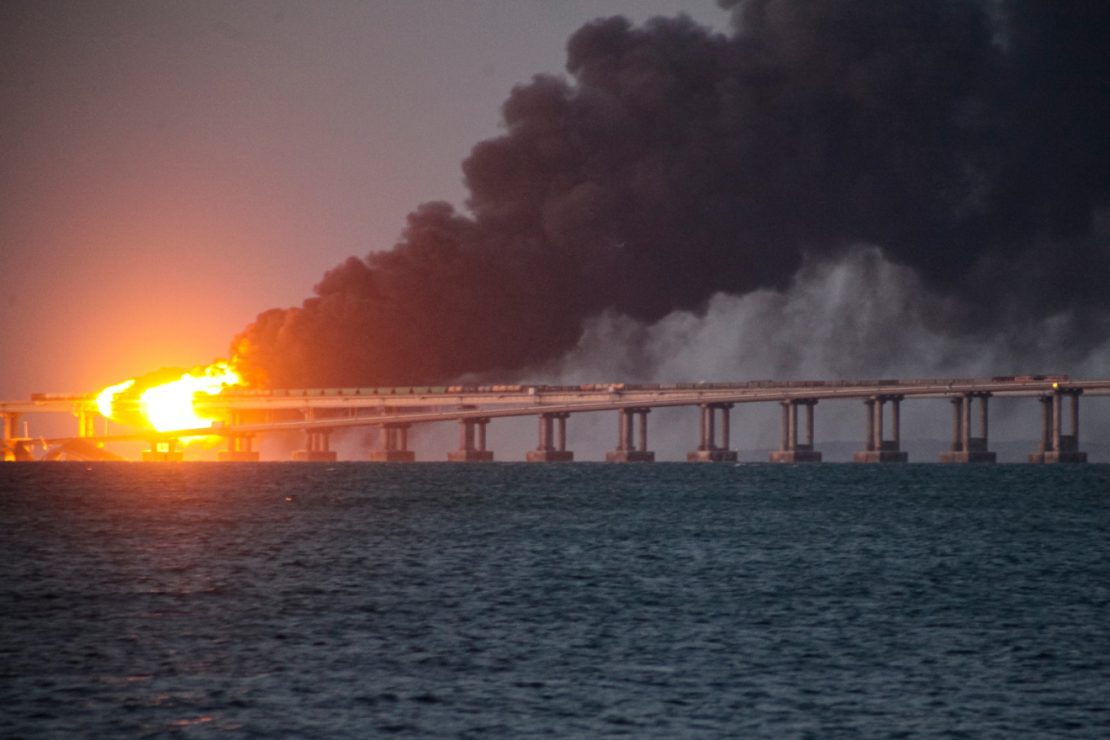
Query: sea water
{"x": 514, "y": 600}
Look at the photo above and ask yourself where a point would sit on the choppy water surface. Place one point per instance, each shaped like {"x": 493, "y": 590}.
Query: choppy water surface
{"x": 355, "y": 600}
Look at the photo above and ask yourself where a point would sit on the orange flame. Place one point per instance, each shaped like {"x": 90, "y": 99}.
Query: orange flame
{"x": 166, "y": 405}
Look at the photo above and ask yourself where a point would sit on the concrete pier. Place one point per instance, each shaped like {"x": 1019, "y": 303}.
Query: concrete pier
{"x": 965, "y": 447}
{"x": 708, "y": 449}
{"x": 163, "y": 450}
{"x": 552, "y": 446}
{"x": 879, "y": 449}
{"x": 1057, "y": 447}
{"x": 791, "y": 450}
{"x": 317, "y": 443}
{"x": 238, "y": 445}
{"x": 238, "y": 449}
{"x": 395, "y": 444}
{"x": 10, "y": 449}
{"x": 9, "y": 424}
{"x": 628, "y": 448}
{"x": 317, "y": 447}
{"x": 86, "y": 422}
{"x": 472, "y": 442}
{"x": 13, "y": 448}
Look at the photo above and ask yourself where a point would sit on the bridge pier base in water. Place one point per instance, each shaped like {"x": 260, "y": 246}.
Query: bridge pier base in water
{"x": 793, "y": 451}
{"x": 708, "y": 450}
{"x": 163, "y": 450}
{"x": 1057, "y": 447}
{"x": 238, "y": 449}
{"x": 238, "y": 445}
{"x": 318, "y": 449}
{"x": 966, "y": 448}
{"x": 880, "y": 450}
{"x": 472, "y": 442}
{"x": 395, "y": 445}
{"x": 12, "y": 449}
{"x": 628, "y": 449}
{"x": 552, "y": 447}
{"x": 86, "y": 422}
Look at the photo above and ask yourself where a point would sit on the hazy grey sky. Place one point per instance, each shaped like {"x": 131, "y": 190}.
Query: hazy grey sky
{"x": 168, "y": 170}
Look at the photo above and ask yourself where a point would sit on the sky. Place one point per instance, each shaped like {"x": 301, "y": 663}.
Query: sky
{"x": 169, "y": 170}
{"x": 824, "y": 190}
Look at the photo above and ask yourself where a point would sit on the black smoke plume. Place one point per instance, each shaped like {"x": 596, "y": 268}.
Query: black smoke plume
{"x": 966, "y": 140}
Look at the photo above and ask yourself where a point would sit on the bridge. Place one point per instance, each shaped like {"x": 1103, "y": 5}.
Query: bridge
{"x": 318, "y": 413}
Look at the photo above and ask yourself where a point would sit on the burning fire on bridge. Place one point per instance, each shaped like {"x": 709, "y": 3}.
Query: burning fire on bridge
{"x": 165, "y": 401}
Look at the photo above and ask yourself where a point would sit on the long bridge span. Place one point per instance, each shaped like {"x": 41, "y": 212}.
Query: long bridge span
{"x": 243, "y": 414}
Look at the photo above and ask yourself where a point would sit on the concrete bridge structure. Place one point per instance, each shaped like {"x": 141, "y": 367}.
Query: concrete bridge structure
{"x": 317, "y": 413}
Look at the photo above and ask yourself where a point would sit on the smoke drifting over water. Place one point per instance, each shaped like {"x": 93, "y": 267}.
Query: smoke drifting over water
{"x": 677, "y": 169}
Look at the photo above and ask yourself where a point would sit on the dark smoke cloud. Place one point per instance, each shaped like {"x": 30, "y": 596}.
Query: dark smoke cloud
{"x": 964, "y": 139}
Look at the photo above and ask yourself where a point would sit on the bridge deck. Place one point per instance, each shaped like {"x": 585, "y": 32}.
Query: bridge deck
{"x": 376, "y": 406}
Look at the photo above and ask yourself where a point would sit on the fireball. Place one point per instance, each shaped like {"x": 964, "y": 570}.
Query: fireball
{"x": 107, "y": 397}
{"x": 169, "y": 406}
{"x": 166, "y": 405}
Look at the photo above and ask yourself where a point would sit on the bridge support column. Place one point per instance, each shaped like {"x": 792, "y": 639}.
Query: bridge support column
{"x": 317, "y": 448}
{"x": 317, "y": 442}
{"x": 239, "y": 449}
{"x": 708, "y": 449}
{"x": 879, "y": 449}
{"x": 793, "y": 451}
{"x": 628, "y": 449}
{"x": 10, "y": 422}
{"x": 12, "y": 447}
{"x": 238, "y": 445}
{"x": 395, "y": 444}
{"x": 163, "y": 450}
{"x": 965, "y": 447}
{"x": 552, "y": 447}
{"x": 86, "y": 422}
{"x": 1057, "y": 447}
{"x": 472, "y": 442}
{"x": 87, "y": 414}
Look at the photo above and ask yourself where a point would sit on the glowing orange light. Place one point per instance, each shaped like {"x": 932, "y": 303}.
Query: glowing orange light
{"x": 107, "y": 397}
{"x": 167, "y": 406}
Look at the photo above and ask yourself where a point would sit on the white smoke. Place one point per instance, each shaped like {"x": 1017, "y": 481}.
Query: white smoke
{"x": 858, "y": 318}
